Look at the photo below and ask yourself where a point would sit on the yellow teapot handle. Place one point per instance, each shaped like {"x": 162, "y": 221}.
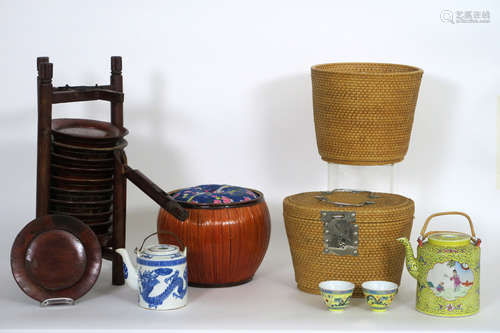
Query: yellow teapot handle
{"x": 424, "y": 235}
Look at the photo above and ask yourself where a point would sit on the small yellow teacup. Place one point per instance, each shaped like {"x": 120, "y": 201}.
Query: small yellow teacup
{"x": 379, "y": 294}
{"x": 336, "y": 294}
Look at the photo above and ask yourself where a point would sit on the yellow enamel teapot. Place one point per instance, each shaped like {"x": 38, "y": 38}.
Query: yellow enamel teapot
{"x": 446, "y": 269}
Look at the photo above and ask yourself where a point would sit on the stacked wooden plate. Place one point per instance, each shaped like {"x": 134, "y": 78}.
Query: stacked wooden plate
{"x": 82, "y": 166}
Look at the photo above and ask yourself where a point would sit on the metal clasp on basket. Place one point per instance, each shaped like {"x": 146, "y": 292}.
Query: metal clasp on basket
{"x": 371, "y": 195}
{"x": 340, "y": 233}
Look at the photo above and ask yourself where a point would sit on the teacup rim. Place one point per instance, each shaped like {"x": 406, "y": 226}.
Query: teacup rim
{"x": 379, "y": 286}
{"x": 336, "y": 289}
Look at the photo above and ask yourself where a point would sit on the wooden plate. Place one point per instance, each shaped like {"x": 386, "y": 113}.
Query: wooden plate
{"x": 85, "y": 181}
{"x": 98, "y": 219}
{"x": 83, "y": 206}
{"x": 80, "y": 192}
{"x": 86, "y": 163}
{"x": 91, "y": 150}
{"x": 82, "y": 154}
{"x": 75, "y": 210}
{"x": 86, "y": 130}
{"x": 87, "y": 217}
{"x": 71, "y": 203}
{"x": 101, "y": 227}
{"x": 81, "y": 187}
{"x": 81, "y": 184}
{"x": 80, "y": 173}
{"x": 80, "y": 196}
{"x": 87, "y": 144}
{"x": 56, "y": 256}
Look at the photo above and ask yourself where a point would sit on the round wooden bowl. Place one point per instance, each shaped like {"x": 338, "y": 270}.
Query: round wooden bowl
{"x": 226, "y": 242}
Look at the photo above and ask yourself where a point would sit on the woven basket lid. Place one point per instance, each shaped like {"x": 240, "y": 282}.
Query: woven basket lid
{"x": 370, "y": 207}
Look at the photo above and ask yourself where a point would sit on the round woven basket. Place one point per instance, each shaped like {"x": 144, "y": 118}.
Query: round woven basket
{"x": 226, "y": 241}
{"x": 363, "y": 112}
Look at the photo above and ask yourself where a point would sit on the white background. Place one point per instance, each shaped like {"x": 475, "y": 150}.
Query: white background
{"x": 220, "y": 92}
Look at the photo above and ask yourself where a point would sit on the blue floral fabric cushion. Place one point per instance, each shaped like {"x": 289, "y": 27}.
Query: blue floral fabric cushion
{"x": 214, "y": 194}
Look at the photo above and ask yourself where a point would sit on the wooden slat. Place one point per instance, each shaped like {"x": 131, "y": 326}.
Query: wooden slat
{"x": 68, "y": 87}
{"x": 44, "y": 90}
{"x": 120, "y": 182}
{"x": 81, "y": 94}
{"x": 119, "y": 217}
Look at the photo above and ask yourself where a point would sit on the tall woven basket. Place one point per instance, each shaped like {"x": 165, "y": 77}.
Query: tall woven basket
{"x": 346, "y": 235}
{"x": 363, "y": 112}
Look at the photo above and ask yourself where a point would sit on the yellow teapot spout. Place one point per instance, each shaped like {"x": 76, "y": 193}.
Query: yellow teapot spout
{"x": 411, "y": 262}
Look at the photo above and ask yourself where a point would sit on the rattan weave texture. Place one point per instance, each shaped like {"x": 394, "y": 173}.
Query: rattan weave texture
{"x": 363, "y": 112}
{"x": 380, "y": 256}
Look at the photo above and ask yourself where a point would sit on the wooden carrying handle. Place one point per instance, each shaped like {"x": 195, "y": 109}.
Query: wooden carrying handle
{"x": 424, "y": 235}
{"x": 151, "y": 189}
{"x": 157, "y": 194}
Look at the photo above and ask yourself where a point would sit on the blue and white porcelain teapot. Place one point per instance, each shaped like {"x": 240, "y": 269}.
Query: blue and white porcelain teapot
{"x": 161, "y": 275}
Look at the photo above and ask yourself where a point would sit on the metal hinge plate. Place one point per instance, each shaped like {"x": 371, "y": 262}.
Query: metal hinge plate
{"x": 340, "y": 233}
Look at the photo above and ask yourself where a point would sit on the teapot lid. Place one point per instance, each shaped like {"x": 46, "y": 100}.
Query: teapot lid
{"x": 162, "y": 250}
{"x": 449, "y": 238}
{"x": 161, "y": 255}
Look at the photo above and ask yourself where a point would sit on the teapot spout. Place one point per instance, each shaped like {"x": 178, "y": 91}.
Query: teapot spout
{"x": 411, "y": 262}
{"x": 128, "y": 269}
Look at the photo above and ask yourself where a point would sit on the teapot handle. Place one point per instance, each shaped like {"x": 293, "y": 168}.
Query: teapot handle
{"x": 162, "y": 232}
{"x": 424, "y": 235}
